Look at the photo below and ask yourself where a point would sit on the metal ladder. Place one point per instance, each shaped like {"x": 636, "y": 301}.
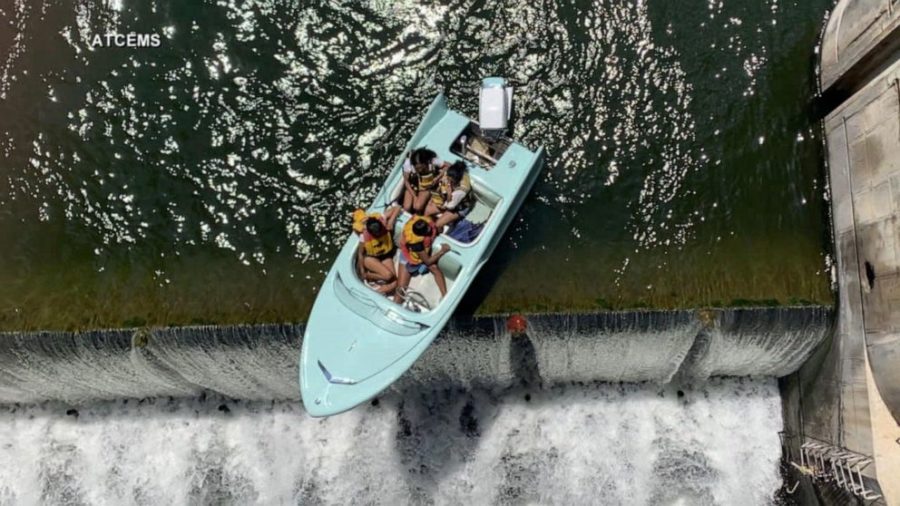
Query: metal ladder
{"x": 837, "y": 465}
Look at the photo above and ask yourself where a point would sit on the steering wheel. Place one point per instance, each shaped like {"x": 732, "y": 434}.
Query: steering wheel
{"x": 413, "y": 300}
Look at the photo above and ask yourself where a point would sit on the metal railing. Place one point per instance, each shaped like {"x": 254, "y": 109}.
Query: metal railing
{"x": 835, "y": 465}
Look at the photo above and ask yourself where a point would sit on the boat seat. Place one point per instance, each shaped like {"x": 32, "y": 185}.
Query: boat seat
{"x": 485, "y": 202}
{"x": 485, "y": 194}
{"x": 479, "y": 213}
{"x": 450, "y": 265}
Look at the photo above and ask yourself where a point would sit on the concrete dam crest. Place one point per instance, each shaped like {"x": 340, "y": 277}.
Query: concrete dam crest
{"x": 259, "y": 362}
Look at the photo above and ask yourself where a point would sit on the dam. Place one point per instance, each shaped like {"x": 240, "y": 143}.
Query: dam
{"x": 845, "y": 402}
{"x": 260, "y": 362}
{"x": 153, "y": 233}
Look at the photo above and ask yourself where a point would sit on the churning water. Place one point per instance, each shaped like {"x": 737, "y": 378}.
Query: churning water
{"x": 602, "y": 444}
{"x": 209, "y": 180}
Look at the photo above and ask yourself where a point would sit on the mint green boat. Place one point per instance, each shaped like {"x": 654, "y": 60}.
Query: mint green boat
{"x": 357, "y": 341}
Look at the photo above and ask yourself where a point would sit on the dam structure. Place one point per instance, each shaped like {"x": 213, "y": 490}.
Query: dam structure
{"x": 843, "y": 407}
{"x": 259, "y": 362}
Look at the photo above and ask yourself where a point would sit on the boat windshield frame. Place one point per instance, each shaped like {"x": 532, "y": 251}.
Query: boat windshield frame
{"x": 393, "y": 318}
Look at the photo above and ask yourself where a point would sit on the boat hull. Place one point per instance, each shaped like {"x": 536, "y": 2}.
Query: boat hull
{"x": 357, "y": 342}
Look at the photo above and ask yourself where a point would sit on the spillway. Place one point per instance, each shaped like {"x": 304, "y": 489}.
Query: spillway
{"x": 260, "y": 362}
{"x": 714, "y": 443}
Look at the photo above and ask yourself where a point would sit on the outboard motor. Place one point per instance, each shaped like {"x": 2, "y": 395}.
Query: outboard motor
{"x": 494, "y": 107}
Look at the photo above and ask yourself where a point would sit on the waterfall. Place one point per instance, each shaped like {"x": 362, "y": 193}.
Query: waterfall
{"x": 758, "y": 342}
{"x": 259, "y": 362}
{"x": 615, "y": 444}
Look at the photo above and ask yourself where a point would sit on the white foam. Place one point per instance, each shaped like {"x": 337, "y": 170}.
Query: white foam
{"x": 627, "y": 444}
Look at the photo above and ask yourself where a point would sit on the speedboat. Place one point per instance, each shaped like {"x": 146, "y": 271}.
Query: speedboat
{"x": 357, "y": 341}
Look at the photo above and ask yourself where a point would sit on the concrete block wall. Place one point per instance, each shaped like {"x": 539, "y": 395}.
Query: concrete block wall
{"x": 859, "y": 37}
{"x": 863, "y": 137}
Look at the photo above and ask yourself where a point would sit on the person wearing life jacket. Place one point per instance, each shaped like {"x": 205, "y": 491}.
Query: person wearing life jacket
{"x": 375, "y": 253}
{"x": 360, "y": 216}
{"x": 416, "y": 254}
{"x": 452, "y": 198}
{"x": 420, "y": 175}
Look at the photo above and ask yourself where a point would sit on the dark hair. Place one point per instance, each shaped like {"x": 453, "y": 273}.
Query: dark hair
{"x": 456, "y": 171}
{"x": 421, "y": 228}
{"x": 422, "y": 156}
{"x": 375, "y": 227}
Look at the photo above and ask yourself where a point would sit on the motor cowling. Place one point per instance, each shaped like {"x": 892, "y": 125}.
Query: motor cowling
{"x": 494, "y": 106}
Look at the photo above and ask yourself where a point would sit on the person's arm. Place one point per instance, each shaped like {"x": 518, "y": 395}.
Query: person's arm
{"x": 436, "y": 183}
{"x": 456, "y": 197}
{"x": 407, "y": 184}
{"x": 392, "y": 220}
{"x": 407, "y": 171}
{"x": 430, "y": 260}
{"x": 361, "y": 261}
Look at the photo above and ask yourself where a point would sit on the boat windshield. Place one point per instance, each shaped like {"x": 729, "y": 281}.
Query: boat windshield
{"x": 362, "y": 303}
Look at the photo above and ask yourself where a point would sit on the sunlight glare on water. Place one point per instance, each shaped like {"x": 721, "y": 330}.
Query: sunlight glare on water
{"x": 209, "y": 180}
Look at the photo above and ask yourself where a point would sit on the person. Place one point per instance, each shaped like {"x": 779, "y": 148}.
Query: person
{"x": 420, "y": 174}
{"x": 416, "y": 255}
{"x": 375, "y": 253}
{"x": 452, "y": 198}
{"x": 360, "y": 216}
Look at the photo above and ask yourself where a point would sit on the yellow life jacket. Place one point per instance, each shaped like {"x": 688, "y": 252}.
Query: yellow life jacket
{"x": 438, "y": 194}
{"x": 426, "y": 176}
{"x": 444, "y": 191}
{"x": 409, "y": 238}
{"x": 378, "y": 246}
{"x": 466, "y": 183}
{"x": 359, "y": 221}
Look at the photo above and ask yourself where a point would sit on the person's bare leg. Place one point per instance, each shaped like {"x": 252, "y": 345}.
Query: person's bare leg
{"x": 439, "y": 278}
{"x": 388, "y": 264}
{"x": 390, "y": 217}
{"x": 421, "y": 201}
{"x": 431, "y": 209}
{"x": 376, "y": 271}
{"x": 386, "y": 288}
{"x": 446, "y": 218}
{"x": 408, "y": 199}
{"x": 402, "y": 282}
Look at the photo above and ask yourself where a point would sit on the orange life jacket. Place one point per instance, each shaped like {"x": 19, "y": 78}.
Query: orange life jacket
{"x": 409, "y": 238}
{"x": 378, "y": 246}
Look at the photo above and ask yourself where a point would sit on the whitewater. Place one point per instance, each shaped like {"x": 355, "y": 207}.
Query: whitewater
{"x": 710, "y": 443}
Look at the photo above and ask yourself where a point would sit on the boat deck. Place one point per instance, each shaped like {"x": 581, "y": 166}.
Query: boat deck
{"x": 489, "y": 186}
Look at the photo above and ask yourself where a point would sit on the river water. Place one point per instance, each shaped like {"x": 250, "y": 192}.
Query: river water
{"x": 209, "y": 180}
{"x": 601, "y": 444}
